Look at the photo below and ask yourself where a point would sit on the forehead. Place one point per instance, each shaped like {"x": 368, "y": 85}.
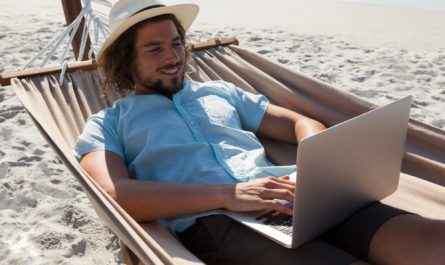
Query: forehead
{"x": 158, "y": 31}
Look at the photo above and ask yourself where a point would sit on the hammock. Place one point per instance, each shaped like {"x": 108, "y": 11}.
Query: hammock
{"x": 60, "y": 111}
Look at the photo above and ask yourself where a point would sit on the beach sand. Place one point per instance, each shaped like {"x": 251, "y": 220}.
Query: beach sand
{"x": 379, "y": 53}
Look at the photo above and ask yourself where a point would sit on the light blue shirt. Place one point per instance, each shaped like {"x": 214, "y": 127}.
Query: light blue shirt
{"x": 205, "y": 134}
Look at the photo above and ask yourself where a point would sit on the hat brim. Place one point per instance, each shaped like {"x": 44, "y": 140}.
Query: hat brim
{"x": 185, "y": 13}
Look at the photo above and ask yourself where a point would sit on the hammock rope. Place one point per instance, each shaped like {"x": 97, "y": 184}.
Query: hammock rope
{"x": 94, "y": 14}
{"x": 95, "y": 24}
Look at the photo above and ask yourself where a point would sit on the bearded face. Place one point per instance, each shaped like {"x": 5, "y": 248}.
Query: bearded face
{"x": 160, "y": 59}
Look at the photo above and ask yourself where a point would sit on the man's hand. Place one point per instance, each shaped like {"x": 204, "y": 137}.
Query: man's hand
{"x": 262, "y": 194}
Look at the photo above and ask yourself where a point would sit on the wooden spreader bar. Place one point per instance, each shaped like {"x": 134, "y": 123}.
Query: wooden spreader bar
{"x": 5, "y": 78}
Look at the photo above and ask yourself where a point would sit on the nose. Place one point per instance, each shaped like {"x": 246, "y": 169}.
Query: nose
{"x": 172, "y": 55}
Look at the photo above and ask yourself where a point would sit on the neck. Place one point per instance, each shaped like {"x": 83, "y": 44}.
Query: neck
{"x": 148, "y": 91}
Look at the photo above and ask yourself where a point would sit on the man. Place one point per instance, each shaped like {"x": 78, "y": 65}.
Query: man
{"x": 178, "y": 150}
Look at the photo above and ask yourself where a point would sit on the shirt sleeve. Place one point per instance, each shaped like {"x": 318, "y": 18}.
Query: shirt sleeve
{"x": 100, "y": 133}
{"x": 250, "y": 107}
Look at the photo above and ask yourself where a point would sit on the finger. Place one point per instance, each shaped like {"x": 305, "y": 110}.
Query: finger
{"x": 281, "y": 194}
{"x": 278, "y": 206}
{"x": 277, "y": 183}
{"x": 285, "y": 179}
{"x": 288, "y": 179}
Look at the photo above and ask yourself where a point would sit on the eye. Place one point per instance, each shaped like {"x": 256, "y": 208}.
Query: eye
{"x": 153, "y": 50}
{"x": 177, "y": 43}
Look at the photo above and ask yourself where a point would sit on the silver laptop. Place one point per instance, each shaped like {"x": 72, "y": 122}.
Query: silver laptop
{"x": 340, "y": 171}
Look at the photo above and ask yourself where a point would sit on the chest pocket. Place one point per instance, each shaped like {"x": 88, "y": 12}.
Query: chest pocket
{"x": 220, "y": 112}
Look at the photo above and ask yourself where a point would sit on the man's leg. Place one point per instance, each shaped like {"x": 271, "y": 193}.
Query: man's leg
{"x": 218, "y": 239}
{"x": 355, "y": 234}
{"x": 409, "y": 239}
{"x": 379, "y": 233}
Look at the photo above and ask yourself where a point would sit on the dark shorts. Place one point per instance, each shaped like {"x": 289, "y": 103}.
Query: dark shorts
{"x": 217, "y": 239}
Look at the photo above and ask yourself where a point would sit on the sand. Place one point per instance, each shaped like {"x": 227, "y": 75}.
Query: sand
{"x": 44, "y": 214}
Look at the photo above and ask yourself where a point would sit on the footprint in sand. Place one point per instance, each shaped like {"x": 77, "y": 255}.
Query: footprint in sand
{"x": 78, "y": 248}
{"x": 327, "y": 77}
{"x": 38, "y": 152}
{"x": 366, "y": 93}
{"x": 421, "y": 72}
{"x": 29, "y": 159}
{"x": 6, "y": 134}
{"x": 264, "y": 52}
{"x": 74, "y": 217}
{"x": 405, "y": 77}
{"x": 18, "y": 202}
{"x": 4, "y": 250}
{"x": 359, "y": 79}
{"x": 4, "y": 167}
{"x": 438, "y": 98}
{"x": 421, "y": 103}
{"x": 294, "y": 47}
{"x": 252, "y": 39}
{"x": 50, "y": 240}
{"x": 9, "y": 114}
{"x": 22, "y": 121}
{"x": 404, "y": 88}
{"x": 439, "y": 123}
{"x": 310, "y": 68}
{"x": 18, "y": 148}
{"x": 55, "y": 181}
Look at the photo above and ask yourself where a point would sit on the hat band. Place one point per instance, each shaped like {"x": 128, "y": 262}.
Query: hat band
{"x": 150, "y": 7}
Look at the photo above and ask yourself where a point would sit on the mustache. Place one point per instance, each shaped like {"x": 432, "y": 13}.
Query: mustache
{"x": 172, "y": 65}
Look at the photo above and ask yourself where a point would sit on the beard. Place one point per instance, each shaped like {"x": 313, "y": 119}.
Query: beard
{"x": 158, "y": 85}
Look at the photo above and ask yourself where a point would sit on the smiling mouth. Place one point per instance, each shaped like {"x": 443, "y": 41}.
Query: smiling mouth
{"x": 171, "y": 70}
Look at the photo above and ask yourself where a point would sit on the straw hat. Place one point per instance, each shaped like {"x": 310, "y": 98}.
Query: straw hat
{"x": 126, "y": 13}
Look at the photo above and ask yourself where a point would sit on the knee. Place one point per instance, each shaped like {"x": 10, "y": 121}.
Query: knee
{"x": 409, "y": 239}
{"x": 433, "y": 242}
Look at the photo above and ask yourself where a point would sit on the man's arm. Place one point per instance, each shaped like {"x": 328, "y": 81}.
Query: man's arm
{"x": 286, "y": 125}
{"x": 152, "y": 200}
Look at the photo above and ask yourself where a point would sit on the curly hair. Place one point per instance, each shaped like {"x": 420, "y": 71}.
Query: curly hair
{"x": 118, "y": 60}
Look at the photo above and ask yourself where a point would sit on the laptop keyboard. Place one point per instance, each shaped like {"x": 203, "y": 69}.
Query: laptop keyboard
{"x": 279, "y": 221}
